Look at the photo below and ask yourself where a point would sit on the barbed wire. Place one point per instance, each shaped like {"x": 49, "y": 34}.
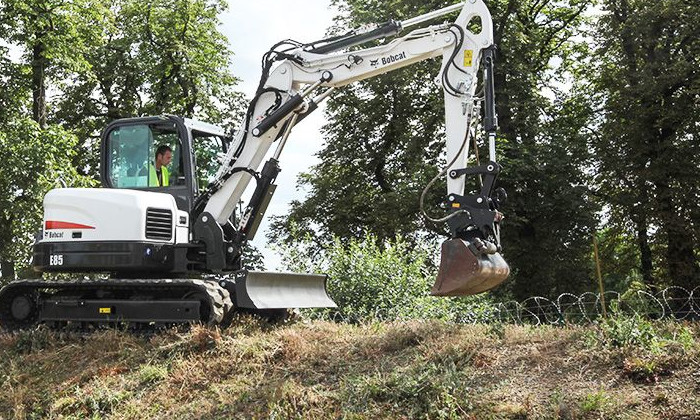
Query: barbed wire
{"x": 674, "y": 302}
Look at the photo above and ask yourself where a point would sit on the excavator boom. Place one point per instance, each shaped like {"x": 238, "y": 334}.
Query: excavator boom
{"x": 292, "y": 76}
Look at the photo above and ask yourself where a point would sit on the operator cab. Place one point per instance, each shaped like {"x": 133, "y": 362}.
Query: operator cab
{"x": 128, "y": 155}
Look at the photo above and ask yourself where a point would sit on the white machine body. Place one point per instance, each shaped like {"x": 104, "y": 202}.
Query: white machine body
{"x": 113, "y": 215}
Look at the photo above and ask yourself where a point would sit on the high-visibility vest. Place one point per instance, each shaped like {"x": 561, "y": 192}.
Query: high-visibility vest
{"x": 153, "y": 176}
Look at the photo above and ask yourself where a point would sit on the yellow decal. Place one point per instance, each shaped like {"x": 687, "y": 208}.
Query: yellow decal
{"x": 455, "y": 205}
{"x": 468, "y": 54}
{"x": 105, "y": 310}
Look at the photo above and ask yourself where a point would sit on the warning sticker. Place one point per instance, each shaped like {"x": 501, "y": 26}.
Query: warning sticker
{"x": 468, "y": 55}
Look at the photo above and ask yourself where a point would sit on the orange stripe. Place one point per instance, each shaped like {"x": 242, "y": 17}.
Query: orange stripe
{"x": 52, "y": 224}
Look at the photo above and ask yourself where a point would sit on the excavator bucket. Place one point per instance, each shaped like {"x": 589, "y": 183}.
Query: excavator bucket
{"x": 464, "y": 271}
{"x": 271, "y": 290}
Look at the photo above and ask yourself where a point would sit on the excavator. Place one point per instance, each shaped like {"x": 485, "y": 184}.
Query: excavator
{"x": 168, "y": 249}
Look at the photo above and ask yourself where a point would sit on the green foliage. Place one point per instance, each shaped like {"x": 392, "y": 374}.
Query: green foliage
{"x": 32, "y": 161}
{"x": 13, "y": 89}
{"x": 646, "y": 350}
{"x": 619, "y": 258}
{"x": 95, "y": 403}
{"x": 594, "y": 402}
{"x": 685, "y": 337}
{"x": 637, "y": 300}
{"x": 161, "y": 56}
{"x": 151, "y": 374}
{"x": 634, "y": 331}
{"x": 374, "y": 166}
{"x": 550, "y": 212}
{"x": 62, "y": 30}
{"x": 647, "y": 133}
{"x": 27, "y": 342}
{"x": 55, "y": 37}
{"x": 181, "y": 56}
{"x": 631, "y": 331}
{"x": 252, "y": 258}
{"x": 371, "y": 279}
{"x": 642, "y": 369}
{"x": 384, "y": 143}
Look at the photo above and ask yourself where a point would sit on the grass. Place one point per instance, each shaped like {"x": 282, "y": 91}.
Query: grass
{"x": 430, "y": 370}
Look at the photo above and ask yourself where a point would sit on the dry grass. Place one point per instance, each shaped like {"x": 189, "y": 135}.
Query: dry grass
{"x": 324, "y": 370}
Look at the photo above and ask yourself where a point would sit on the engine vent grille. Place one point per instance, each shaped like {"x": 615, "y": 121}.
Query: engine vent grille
{"x": 159, "y": 224}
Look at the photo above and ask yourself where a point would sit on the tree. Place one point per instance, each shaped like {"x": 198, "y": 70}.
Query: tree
{"x": 54, "y": 34}
{"x": 33, "y": 155}
{"x": 385, "y": 143}
{"x": 12, "y": 89}
{"x": 11, "y": 104}
{"x": 32, "y": 161}
{"x": 648, "y": 144}
{"x": 153, "y": 57}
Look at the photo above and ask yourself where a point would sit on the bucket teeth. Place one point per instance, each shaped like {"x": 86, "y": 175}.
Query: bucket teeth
{"x": 466, "y": 271}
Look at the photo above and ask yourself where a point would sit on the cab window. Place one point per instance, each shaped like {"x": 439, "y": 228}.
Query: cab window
{"x": 131, "y": 159}
{"x": 209, "y": 149}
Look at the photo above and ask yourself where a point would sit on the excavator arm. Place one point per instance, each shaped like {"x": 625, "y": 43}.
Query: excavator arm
{"x": 297, "y": 77}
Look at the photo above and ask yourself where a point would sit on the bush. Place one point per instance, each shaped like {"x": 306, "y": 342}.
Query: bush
{"x": 373, "y": 280}
{"x": 631, "y": 331}
{"x": 621, "y": 330}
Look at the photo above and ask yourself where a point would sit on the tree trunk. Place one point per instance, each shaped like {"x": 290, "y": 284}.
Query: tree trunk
{"x": 646, "y": 262}
{"x": 641, "y": 222}
{"x": 680, "y": 255}
{"x": 39, "y": 83}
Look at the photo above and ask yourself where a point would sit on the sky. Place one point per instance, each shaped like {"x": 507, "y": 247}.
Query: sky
{"x": 252, "y": 27}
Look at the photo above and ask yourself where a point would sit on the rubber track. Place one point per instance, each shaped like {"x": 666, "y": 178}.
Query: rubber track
{"x": 219, "y": 300}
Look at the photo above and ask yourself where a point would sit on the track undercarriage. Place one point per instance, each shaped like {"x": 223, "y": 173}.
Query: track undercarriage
{"x": 137, "y": 304}
{"x": 151, "y": 303}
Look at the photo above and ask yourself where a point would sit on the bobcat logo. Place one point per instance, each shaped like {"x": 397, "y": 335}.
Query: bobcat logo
{"x": 390, "y": 59}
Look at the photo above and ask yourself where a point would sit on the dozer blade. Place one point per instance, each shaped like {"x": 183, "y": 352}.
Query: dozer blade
{"x": 268, "y": 290}
{"x": 462, "y": 272}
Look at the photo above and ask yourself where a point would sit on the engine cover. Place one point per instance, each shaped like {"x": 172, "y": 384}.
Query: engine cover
{"x": 110, "y": 230}
{"x": 112, "y": 215}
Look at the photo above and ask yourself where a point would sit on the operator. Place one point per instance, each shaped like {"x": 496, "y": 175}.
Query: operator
{"x": 158, "y": 174}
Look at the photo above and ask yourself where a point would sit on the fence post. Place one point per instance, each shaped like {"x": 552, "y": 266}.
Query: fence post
{"x": 600, "y": 276}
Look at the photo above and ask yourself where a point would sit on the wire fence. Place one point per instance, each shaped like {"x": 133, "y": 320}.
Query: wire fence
{"x": 674, "y": 303}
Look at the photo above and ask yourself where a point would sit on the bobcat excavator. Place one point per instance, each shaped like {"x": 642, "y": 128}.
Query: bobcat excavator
{"x": 171, "y": 250}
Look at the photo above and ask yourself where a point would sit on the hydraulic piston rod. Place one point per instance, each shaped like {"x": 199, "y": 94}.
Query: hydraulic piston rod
{"x": 432, "y": 15}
